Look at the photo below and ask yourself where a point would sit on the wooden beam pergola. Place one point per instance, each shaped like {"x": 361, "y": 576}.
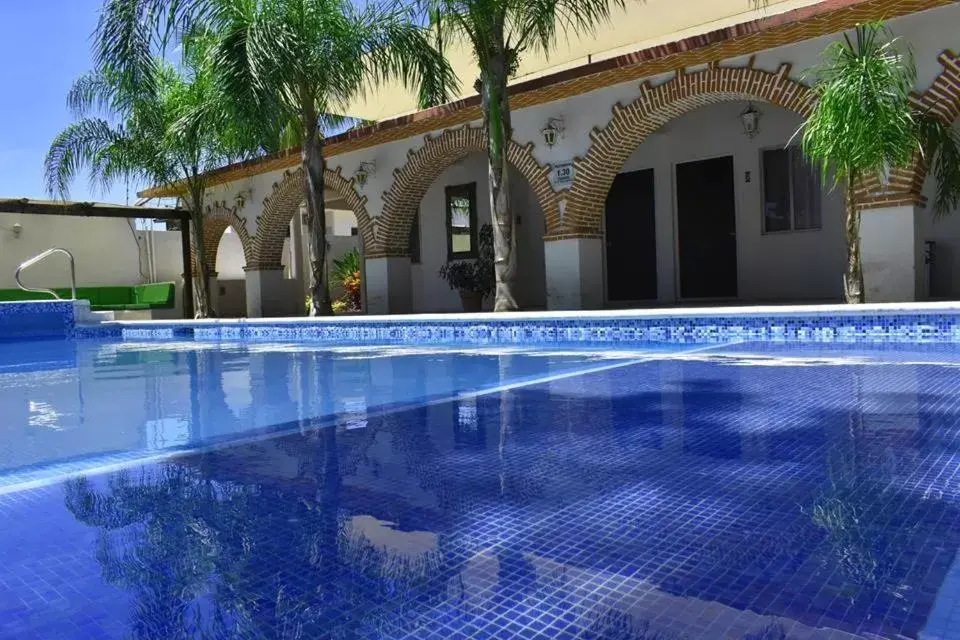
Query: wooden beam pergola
{"x": 28, "y": 206}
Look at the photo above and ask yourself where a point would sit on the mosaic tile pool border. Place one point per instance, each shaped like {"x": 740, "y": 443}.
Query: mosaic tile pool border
{"x": 877, "y": 326}
{"x": 38, "y": 319}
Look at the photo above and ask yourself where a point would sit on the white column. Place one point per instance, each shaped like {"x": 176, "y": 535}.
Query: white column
{"x": 387, "y": 282}
{"x": 265, "y": 292}
{"x": 296, "y": 248}
{"x": 574, "y": 268}
{"x": 892, "y": 253}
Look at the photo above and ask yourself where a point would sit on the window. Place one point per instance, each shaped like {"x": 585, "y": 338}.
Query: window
{"x": 792, "y": 195}
{"x": 414, "y": 243}
{"x": 462, "y": 221}
{"x": 354, "y": 231}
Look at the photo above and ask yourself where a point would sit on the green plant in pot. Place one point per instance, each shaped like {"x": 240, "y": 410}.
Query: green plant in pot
{"x": 474, "y": 278}
{"x": 346, "y": 273}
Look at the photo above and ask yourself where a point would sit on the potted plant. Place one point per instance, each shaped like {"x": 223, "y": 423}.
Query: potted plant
{"x": 474, "y": 278}
{"x": 346, "y": 273}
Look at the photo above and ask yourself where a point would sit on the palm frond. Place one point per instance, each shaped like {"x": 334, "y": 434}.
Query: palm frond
{"x": 83, "y": 144}
{"x": 125, "y": 42}
{"x": 397, "y": 47}
{"x": 939, "y": 146}
{"x": 92, "y": 92}
{"x": 536, "y": 22}
{"x": 861, "y": 122}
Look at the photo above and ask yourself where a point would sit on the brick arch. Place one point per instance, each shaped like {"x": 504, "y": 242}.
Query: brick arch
{"x": 284, "y": 202}
{"x": 632, "y": 123}
{"x": 216, "y": 218}
{"x": 425, "y": 164}
{"x": 905, "y": 184}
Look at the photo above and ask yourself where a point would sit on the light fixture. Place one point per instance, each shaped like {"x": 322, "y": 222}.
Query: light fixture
{"x": 750, "y": 119}
{"x": 364, "y": 171}
{"x": 243, "y": 196}
{"x": 553, "y": 131}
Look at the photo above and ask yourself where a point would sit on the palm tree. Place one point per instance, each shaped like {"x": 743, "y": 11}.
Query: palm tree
{"x": 862, "y": 124}
{"x": 306, "y": 60}
{"x": 165, "y": 129}
{"x": 500, "y": 32}
{"x": 283, "y": 63}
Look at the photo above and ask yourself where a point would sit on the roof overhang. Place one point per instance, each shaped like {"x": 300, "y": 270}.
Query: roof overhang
{"x": 746, "y": 38}
{"x": 89, "y": 209}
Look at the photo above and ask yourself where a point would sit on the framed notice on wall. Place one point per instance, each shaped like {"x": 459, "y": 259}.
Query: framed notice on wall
{"x": 563, "y": 175}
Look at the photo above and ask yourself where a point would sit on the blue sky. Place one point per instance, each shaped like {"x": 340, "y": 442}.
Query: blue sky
{"x": 45, "y": 46}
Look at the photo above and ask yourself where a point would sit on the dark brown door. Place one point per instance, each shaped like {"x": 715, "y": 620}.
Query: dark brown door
{"x": 631, "y": 238}
{"x": 706, "y": 225}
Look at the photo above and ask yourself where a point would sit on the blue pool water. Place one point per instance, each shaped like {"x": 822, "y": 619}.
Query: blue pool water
{"x": 750, "y": 491}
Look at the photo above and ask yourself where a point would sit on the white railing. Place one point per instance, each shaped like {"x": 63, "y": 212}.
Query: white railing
{"x": 37, "y": 258}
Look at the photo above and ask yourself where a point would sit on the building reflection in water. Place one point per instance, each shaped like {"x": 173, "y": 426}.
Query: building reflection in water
{"x": 630, "y": 504}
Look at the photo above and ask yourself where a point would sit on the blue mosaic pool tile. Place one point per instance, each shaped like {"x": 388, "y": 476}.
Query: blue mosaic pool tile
{"x": 36, "y": 319}
{"x": 585, "y": 330}
{"x": 162, "y": 332}
{"x": 107, "y": 331}
{"x": 667, "y": 499}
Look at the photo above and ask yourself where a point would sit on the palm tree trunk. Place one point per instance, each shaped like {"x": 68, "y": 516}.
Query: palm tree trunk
{"x": 496, "y": 123}
{"x": 312, "y": 160}
{"x": 853, "y": 277}
{"x": 201, "y": 288}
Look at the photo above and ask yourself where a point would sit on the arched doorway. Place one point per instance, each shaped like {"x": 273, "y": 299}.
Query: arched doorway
{"x": 223, "y": 225}
{"x": 678, "y": 203}
{"x": 280, "y": 259}
{"x": 452, "y": 167}
{"x": 230, "y": 281}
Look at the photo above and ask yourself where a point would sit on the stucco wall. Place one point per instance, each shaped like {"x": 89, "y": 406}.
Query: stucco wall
{"x": 230, "y": 262}
{"x": 430, "y": 292}
{"x": 944, "y": 231}
{"x": 793, "y": 265}
{"x": 105, "y": 250}
{"x": 86, "y": 238}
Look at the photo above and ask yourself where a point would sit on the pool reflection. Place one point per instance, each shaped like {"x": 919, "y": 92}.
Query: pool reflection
{"x": 85, "y": 404}
{"x": 668, "y": 499}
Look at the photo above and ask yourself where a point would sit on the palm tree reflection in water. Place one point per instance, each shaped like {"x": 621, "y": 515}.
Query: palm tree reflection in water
{"x": 208, "y": 558}
{"x": 208, "y": 549}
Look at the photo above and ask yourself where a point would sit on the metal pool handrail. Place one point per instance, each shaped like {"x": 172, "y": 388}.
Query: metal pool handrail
{"x": 37, "y": 258}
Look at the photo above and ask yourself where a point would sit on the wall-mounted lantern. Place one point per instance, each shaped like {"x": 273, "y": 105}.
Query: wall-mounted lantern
{"x": 363, "y": 172}
{"x": 242, "y": 197}
{"x": 750, "y": 119}
{"x": 553, "y": 132}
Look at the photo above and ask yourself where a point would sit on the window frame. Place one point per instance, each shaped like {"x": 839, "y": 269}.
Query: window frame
{"x": 468, "y": 190}
{"x": 763, "y": 195}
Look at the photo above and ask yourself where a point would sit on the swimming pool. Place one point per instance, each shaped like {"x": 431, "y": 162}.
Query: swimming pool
{"x": 188, "y": 488}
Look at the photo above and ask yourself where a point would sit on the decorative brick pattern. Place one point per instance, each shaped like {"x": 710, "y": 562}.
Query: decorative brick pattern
{"x": 422, "y": 167}
{"x": 284, "y": 202}
{"x": 656, "y": 106}
{"x": 943, "y": 96}
{"x": 216, "y": 218}
{"x": 905, "y": 187}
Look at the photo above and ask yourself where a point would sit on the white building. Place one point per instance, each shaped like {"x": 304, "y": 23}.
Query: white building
{"x": 652, "y": 193}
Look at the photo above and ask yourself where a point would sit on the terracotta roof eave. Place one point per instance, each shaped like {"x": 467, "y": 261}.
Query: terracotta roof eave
{"x": 461, "y": 111}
